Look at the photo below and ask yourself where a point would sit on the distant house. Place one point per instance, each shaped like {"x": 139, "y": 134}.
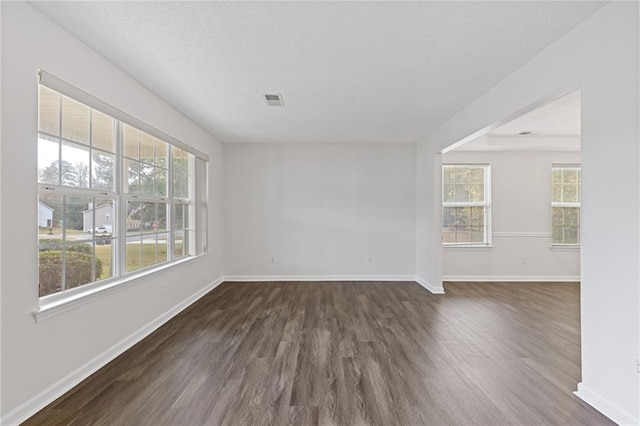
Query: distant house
{"x": 45, "y": 216}
{"x": 133, "y": 224}
{"x": 103, "y": 215}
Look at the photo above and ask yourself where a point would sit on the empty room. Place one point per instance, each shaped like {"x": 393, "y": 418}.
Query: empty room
{"x": 336, "y": 213}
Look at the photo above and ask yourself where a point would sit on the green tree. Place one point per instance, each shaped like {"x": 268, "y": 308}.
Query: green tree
{"x": 72, "y": 175}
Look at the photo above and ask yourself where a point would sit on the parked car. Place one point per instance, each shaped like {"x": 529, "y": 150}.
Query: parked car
{"x": 99, "y": 230}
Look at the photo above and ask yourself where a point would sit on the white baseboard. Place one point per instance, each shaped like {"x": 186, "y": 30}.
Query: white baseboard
{"x": 433, "y": 289}
{"x": 44, "y": 398}
{"x": 511, "y": 278}
{"x": 605, "y": 407}
{"x": 268, "y": 278}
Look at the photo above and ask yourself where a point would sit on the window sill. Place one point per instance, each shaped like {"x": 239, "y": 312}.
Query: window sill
{"x": 467, "y": 246}
{"x": 564, "y": 247}
{"x": 57, "y": 307}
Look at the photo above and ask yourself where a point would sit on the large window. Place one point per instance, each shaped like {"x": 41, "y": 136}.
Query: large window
{"x": 565, "y": 204}
{"x": 465, "y": 204}
{"x": 113, "y": 199}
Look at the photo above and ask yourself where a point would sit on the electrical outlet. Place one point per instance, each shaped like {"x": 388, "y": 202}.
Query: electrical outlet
{"x": 273, "y": 259}
{"x": 367, "y": 259}
{"x": 637, "y": 364}
{"x": 524, "y": 260}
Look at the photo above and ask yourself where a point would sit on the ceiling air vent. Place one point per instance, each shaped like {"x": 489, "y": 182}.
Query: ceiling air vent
{"x": 274, "y": 100}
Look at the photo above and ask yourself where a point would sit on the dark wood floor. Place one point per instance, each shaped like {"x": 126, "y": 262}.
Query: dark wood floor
{"x": 348, "y": 354}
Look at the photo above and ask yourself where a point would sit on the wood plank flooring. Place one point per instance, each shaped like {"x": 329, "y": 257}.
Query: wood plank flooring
{"x": 348, "y": 353}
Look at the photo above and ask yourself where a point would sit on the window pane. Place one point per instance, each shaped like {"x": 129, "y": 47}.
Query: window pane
{"x": 477, "y": 216}
{"x": 464, "y": 224}
{"x": 557, "y": 193}
{"x": 462, "y": 175}
{"x": 161, "y": 217}
{"x": 154, "y": 249}
{"x": 178, "y": 244}
{"x": 77, "y": 232}
{"x": 162, "y": 153}
{"x": 75, "y": 165}
{"x": 149, "y": 250}
{"x": 132, "y": 169}
{"x": 556, "y": 224}
{"x": 104, "y": 258}
{"x": 477, "y": 175}
{"x": 131, "y": 135}
{"x": 49, "y": 111}
{"x": 48, "y": 152}
{"x": 160, "y": 182}
{"x": 180, "y": 185}
{"x": 104, "y": 214}
{"x": 556, "y": 176}
{"x": 179, "y": 216}
{"x": 75, "y": 121}
{"x": 448, "y": 193}
{"x": 134, "y": 217}
{"x": 449, "y": 225}
{"x": 448, "y": 175}
{"x": 103, "y": 173}
{"x": 78, "y": 218}
{"x": 463, "y": 216}
{"x": 78, "y": 265}
{"x": 49, "y": 271}
{"x": 569, "y": 193}
{"x": 462, "y": 193}
{"x": 148, "y": 216}
{"x": 569, "y": 176}
{"x": 132, "y": 253}
{"x": 162, "y": 247}
{"x": 180, "y": 161}
{"x": 566, "y": 225}
{"x": 102, "y": 131}
{"x": 146, "y": 148}
{"x": 463, "y": 234}
{"x": 50, "y": 208}
{"x": 476, "y": 192}
{"x": 477, "y": 234}
{"x": 153, "y": 217}
{"x": 189, "y": 239}
{"x": 146, "y": 179}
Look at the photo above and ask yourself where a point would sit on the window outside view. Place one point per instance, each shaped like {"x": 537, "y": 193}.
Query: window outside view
{"x": 565, "y": 205}
{"x": 80, "y": 202}
{"x": 465, "y": 204}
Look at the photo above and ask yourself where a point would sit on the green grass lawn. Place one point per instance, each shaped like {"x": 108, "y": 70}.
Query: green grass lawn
{"x": 58, "y": 231}
{"x": 149, "y": 258}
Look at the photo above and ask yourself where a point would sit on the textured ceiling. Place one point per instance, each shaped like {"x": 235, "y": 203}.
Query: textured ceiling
{"x": 348, "y": 72}
{"x": 554, "y": 127}
{"x": 558, "y": 118}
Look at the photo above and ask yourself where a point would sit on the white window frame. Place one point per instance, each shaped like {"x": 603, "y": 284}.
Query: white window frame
{"x": 486, "y": 204}
{"x": 197, "y": 201}
{"x": 577, "y": 205}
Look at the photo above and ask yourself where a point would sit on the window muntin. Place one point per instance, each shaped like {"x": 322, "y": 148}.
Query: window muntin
{"x": 566, "y": 199}
{"x": 101, "y": 178}
{"x": 465, "y": 204}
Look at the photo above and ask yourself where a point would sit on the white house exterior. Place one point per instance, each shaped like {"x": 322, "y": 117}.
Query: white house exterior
{"x": 45, "y": 215}
{"x": 104, "y": 218}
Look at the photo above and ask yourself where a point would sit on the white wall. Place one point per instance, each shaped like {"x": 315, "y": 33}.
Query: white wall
{"x": 520, "y": 219}
{"x": 600, "y": 56}
{"x": 319, "y": 210}
{"x": 37, "y": 355}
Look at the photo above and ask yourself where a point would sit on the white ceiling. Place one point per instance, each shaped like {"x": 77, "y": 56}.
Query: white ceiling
{"x": 558, "y": 118}
{"x": 554, "y": 127}
{"x": 348, "y": 72}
